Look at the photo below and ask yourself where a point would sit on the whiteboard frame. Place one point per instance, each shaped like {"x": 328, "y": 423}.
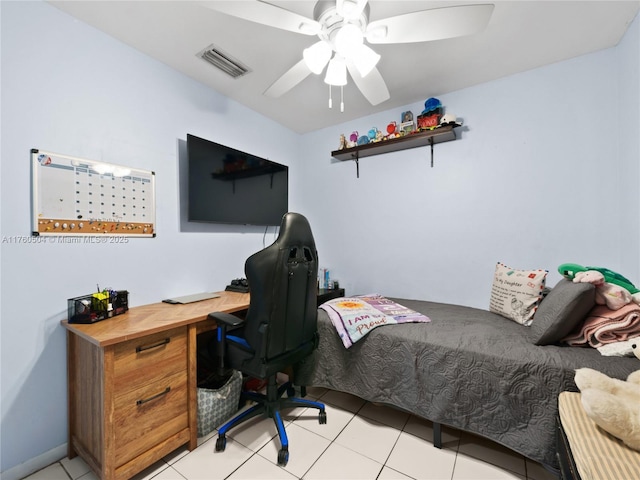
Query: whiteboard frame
{"x": 79, "y": 225}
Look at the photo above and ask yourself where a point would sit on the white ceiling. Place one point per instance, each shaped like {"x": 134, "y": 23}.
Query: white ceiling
{"x": 521, "y": 35}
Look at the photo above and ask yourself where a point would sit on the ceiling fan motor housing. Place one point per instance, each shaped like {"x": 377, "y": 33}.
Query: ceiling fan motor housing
{"x": 326, "y": 13}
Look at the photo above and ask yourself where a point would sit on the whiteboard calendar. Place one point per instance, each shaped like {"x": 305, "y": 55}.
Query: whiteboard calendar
{"x": 73, "y": 196}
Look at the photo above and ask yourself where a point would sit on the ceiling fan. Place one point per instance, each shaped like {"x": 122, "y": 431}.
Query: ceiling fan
{"x": 342, "y": 27}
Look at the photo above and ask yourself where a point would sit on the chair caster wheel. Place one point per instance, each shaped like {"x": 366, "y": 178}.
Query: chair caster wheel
{"x": 283, "y": 457}
{"x": 322, "y": 417}
{"x": 221, "y": 443}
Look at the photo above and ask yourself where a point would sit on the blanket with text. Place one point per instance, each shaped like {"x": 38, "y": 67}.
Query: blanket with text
{"x": 354, "y": 317}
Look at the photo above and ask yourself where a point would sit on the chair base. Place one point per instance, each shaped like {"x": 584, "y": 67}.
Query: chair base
{"x": 269, "y": 406}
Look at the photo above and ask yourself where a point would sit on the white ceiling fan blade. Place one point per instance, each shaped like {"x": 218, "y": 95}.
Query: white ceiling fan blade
{"x": 290, "y": 79}
{"x": 429, "y": 25}
{"x": 267, "y": 14}
{"x": 372, "y": 86}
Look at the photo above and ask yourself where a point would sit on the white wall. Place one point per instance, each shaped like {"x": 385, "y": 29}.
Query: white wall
{"x": 628, "y": 76}
{"x": 533, "y": 182}
{"x": 545, "y": 172}
{"x": 69, "y": 89}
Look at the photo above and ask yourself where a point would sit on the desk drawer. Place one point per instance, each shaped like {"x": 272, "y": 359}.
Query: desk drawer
{"x": 146, "y": 416}
{"x": 145, "y": 360}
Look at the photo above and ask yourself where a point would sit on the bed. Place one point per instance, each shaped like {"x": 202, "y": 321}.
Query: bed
{"x": 468, "y": 368}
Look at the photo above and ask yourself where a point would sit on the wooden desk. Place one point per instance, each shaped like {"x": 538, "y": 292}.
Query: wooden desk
{"x": 132, "y": 385}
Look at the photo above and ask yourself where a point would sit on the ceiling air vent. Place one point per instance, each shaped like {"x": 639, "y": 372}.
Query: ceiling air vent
{"x": 223, "y": 61}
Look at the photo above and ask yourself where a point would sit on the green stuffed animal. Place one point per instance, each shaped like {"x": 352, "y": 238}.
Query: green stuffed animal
{"x": 569, "y": 271}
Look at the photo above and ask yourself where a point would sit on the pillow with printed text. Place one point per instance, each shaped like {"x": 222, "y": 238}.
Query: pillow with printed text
{"x": 516, "y": 294}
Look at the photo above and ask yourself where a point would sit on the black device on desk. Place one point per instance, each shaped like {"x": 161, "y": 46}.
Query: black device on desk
{"x": 238, "y": 285}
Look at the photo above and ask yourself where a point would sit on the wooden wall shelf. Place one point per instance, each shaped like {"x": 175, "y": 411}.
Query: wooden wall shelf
{"x": 412, "y": 140}
{"x": 247, "y": 173}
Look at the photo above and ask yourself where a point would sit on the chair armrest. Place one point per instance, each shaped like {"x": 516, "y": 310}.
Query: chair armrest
{"x": 225, "y": 319}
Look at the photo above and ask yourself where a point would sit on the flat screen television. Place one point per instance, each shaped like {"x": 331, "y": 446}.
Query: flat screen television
{"x": 234, "y": 187}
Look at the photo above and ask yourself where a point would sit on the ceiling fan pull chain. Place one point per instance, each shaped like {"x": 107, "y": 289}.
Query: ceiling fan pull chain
{"x": 341, "y": 99}
{"x": 330, "y": 102}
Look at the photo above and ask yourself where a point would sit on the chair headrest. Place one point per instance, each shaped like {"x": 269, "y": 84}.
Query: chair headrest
{"x": 295, "y": 230}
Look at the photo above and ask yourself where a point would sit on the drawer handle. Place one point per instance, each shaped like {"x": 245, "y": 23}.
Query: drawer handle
{"x": 155, "y": 345}
{"x": 158, "y": 395}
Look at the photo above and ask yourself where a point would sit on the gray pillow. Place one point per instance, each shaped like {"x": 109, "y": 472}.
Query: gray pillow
{"x": 566, "y": 305}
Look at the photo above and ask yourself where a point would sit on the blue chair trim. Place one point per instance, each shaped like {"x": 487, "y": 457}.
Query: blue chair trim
{"x": 239, "y": 341}
{"x": 250, "y": 412}
{"x": 284, "y": 441}
{"x": 310, "y": 403}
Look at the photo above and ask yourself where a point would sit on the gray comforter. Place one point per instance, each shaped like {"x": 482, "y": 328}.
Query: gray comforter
{"x": 470, "y": 369}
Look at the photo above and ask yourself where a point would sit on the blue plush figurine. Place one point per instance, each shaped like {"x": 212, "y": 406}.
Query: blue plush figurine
{"x": 432, "y": 105}
{"x": 363, "y": 140}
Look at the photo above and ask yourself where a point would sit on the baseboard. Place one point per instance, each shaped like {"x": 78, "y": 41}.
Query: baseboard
{"x": 36, "y": 463}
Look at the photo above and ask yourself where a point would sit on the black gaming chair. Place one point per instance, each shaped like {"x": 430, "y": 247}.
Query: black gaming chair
{"x": 280, "y": 328}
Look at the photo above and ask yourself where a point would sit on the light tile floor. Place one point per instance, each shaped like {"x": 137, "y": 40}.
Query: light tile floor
{"x": 360, "y": 440}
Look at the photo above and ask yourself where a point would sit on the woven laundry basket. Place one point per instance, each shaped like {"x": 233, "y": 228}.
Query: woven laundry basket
{"x": 216, "y": 406}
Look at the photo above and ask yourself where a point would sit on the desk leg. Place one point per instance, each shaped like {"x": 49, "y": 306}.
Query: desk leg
{"x": 71, "y": 392}
{"x": 192, "y": 385}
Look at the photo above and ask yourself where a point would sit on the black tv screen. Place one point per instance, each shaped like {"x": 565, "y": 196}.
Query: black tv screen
{"x": 234, "y": 187}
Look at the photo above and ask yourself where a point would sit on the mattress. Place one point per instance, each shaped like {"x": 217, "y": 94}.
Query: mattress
{"x": 597, "y": 455}
{"x": 468, "y": 368}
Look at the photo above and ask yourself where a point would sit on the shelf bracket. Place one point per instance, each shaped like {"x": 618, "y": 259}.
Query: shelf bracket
{"x": 357, "y": 159}
{"x": 431, "y": 143}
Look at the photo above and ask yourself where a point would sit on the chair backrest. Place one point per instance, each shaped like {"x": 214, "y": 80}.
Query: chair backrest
{"x": 281, "y": 323}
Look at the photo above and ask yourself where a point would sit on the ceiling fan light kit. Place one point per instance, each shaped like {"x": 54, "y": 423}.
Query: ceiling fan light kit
{"x": 348, "y": 40}
{"x": 336, "y": 72}
{"x": 336, "y": 76}
{"x": 317, "y": 56}
{"x": 366, "y": 60}
{"x": 342, "y": 27}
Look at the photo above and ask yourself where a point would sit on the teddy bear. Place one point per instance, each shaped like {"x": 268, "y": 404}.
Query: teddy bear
{"x": 613, "y": 296}
{"x": 611, "y": 403}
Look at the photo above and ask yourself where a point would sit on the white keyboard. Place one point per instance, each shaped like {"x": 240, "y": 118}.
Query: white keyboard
{"x": 196, "y": 297}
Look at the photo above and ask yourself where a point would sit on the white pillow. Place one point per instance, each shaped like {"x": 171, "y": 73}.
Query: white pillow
{"x": 516, "y": 294}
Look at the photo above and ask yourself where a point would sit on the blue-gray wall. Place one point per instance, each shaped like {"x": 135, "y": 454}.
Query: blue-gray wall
{"x": 546, "y": 172}
{"x": 70, "y": 89}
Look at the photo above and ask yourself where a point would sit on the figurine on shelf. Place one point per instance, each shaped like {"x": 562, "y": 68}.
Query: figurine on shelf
{"x": 363, "y": 140}
{"x": 373, "y": 135}
{"x": 428, "y": 122}
{"x": 343, "y": 142}
{"x": 353, "y": 139}
{"x": 407, "y": 125}
{"x": 391, "y": 130}
{"x": 450, "y": 119}
{"x": 432, "y": 105}
{"x": 430, "y": 116}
